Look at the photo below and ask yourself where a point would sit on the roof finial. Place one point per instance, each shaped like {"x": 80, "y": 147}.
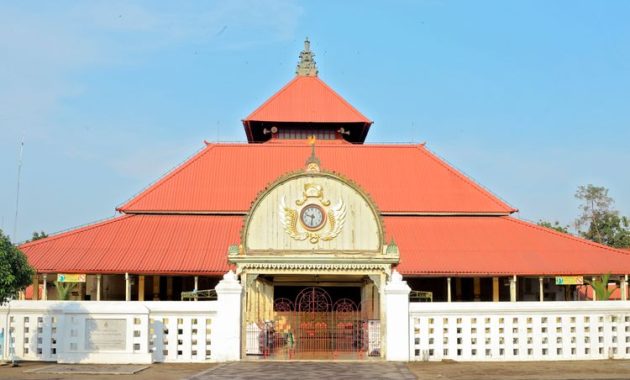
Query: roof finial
{"x": 306, "y": 66}
{"x": 312, "y": 164}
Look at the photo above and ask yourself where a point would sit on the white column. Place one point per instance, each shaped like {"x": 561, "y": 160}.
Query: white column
{"x": 44, "y": 285}
{"x": 624, "y": 288}
{"x": 397, "y": 310}
{"x": 226, "y": 333}
{"x": 541, "y": 289}
{"x": 196, "y": 287}
{"x": 449, "y": 295}
{"x": 593, "y": 279}
{"x": 127, "y": 287}
{"x": 98, "y": 287}
{"x": 513, "y": 288}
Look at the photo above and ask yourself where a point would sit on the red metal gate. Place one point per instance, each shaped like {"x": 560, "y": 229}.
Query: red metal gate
{"x": 313, "y": 327}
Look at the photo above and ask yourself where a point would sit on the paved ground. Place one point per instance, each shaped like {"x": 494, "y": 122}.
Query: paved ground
{"x": 567, "y": 370}
{"x": 154, "y": 372}
{"x": 268, "y": 370}
{"x": 308, "y": 371}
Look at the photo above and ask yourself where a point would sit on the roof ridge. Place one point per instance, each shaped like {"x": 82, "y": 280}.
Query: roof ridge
{"x": 75, "y": 230}
{"x": 152, "y": 186}
{"x": 468, "y": 179}
{"x": 566, "y": 235}
{"x": 319, "y": 143}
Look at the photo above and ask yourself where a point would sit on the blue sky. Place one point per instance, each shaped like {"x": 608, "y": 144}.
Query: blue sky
{"x": 529, "y": 98}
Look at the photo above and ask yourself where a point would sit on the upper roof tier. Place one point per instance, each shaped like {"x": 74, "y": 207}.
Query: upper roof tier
{"x": 308, "y": 104}
{"x": 399, "y": 178}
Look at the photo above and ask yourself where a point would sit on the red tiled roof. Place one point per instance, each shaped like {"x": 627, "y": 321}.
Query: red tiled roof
{"x": 429, "y": 245}
{"x": 496, "y": 245}
{"x": 307, "y": 99}
{"x": 141, "y": 244}
{"x": 399, "y": 178}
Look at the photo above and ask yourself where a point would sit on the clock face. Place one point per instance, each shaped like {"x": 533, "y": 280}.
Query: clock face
{"x": 312, "y": 217}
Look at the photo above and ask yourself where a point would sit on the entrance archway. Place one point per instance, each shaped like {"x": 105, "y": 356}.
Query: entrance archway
{"x": 314, "y": 327}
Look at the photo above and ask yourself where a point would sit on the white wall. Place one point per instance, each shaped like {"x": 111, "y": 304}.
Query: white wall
{"x": 520, "y": 331}
{"x": 124, "y": 332}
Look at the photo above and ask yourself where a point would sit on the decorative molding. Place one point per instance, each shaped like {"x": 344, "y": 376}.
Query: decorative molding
{"x": 296, "y": 267}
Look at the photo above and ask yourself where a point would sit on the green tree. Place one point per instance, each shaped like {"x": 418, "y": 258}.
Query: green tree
{"x": 554, "y": 226}
{"x": 15, "y": 273}
{"x": 64, "y": 289}
{"x": 600, "y": 287}
{"x": 38, "y": 235}
{"x": 598, "y": 221}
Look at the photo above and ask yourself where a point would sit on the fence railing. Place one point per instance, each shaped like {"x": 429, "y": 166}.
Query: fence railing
{"x": 520, "y": 331}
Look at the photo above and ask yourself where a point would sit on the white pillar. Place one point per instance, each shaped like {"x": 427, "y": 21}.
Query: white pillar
{"x": 226, "y": 337}
{"x": 513, "y": 288}
{"x": 593, "y": 279}
{"x": 98, "y": 287}
{"x": 541, "y": 289}
{"x": 127, "y": 287}
{"x": 397, "y": 327}
{"x": 196, "y": 287}
{"x": 624, "y": 288}
{"x": 44, "y": 285}
{"x": 449, "y": 295}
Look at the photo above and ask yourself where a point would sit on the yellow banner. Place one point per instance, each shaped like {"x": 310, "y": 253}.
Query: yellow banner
{"x": 63, "y": 277}
{"x": 570, "y": 280}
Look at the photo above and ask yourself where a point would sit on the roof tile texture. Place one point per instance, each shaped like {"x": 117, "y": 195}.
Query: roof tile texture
{"x": 399, "y": 178}
{"x": 307, "y": 99}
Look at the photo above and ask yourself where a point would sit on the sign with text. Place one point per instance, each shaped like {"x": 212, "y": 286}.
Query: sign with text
{"x": 105, "y": 334}
{"x": 570, "y": 280}
{"x": 66, "y": 277}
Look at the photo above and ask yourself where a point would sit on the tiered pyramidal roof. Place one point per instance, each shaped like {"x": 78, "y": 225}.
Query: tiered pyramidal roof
{"x": 443, "y": 222}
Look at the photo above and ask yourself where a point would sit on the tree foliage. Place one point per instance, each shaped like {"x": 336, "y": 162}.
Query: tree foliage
{"x": 600, "y": 287}
{"x": 38, "y": 235}
{"x": 64, "y": 289}
{"x": 598, "y": 221}
{"x": 554, "y": 226}
{"x": 15, "y": 272}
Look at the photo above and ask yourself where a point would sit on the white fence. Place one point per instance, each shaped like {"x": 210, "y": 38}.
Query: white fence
{"x": 108, "y": 331}
{"x": 520, "y": 331}
{"x": 124, "y": 332}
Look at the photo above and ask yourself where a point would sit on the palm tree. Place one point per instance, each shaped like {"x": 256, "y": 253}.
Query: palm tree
{"x": 600, "y": 287}
{"x": 64, "y": 289}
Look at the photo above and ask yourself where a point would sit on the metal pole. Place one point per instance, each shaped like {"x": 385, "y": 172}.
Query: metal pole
{"x": 17, "y": 193}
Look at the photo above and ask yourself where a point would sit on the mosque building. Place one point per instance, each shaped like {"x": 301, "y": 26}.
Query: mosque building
{"x": 311, "y": 218}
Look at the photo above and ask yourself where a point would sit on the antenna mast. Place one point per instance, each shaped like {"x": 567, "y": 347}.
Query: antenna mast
{"x": 17, "y": 195}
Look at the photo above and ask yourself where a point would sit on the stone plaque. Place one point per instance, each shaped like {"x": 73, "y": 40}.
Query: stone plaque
{"x": 105, "y": 334}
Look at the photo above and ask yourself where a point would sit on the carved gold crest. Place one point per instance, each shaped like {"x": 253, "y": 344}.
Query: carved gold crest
{"x": 312, "y": 221}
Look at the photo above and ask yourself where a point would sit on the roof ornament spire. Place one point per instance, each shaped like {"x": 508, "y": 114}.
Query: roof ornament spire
{"x": 312, "y": 163}
{"x": 307, "y": 66}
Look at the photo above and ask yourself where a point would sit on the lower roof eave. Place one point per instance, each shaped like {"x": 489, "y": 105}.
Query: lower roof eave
{"x": 504, "y": 274}
{"x": 211, "y": 273}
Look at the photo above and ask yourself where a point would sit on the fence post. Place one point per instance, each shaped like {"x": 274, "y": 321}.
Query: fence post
{"x": 226, "y": 328}
{"x": 397, "y": 323}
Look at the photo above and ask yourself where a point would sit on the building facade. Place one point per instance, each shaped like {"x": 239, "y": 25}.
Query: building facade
{"x": 315, "y": 223}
